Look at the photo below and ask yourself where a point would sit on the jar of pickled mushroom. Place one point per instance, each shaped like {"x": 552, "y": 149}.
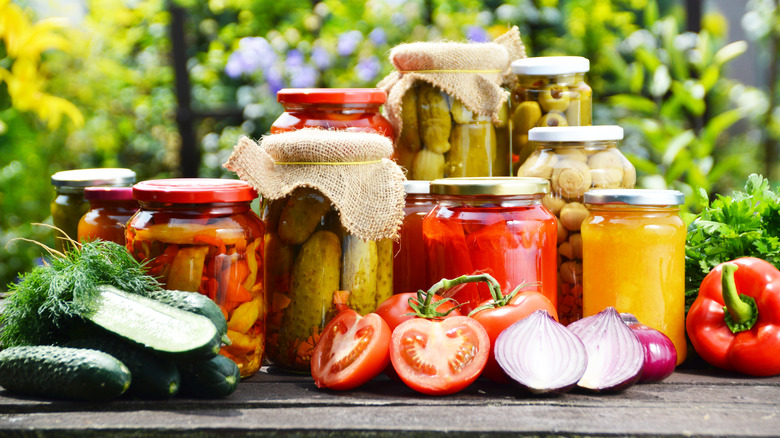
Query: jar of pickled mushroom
{"x": 350, "y": 109}
{"x": 410, "y": 272}
{"x": 634, "y": 258}
{"x": 550, "y": 91}
{"x": 497, "y": 226}
{"x": 574, "y": 160}
{"x": 69, "y": 205}
{"x": 109, "y": 210}
{"x": 200, "y": 235}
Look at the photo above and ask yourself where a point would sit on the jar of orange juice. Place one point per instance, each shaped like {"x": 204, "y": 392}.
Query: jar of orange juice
{"x": 633, "y": 258}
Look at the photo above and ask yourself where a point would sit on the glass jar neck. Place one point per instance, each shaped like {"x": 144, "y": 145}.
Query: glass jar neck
{"x": 489, "y": 200}
{"x": 587, "y": 145}
{"x": 210, "y": 209}
{"x": 419, "y": 198}
{"x": 629, "y": 209}
{"x": 113, "y": 203}
{"x": 535, "y": 81}
{"x": 332, "y": 107}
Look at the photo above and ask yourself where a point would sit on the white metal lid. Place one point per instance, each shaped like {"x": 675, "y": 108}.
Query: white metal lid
{"x": 417, "y": 187}
{"x": 108, "y": 176}
{"x": 634, "y": 197}
{"x": 550, "y": 65}
{"x": 576, "y": 133}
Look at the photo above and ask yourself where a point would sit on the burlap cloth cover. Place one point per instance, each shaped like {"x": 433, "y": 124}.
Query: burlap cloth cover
{"x": 472, "y": 72}
{"x": 352, "y": 169}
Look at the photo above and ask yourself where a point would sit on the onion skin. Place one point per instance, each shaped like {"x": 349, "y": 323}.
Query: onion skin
{"x": 660, "y": 353}
{"x": 615, "y": 354}
{"x": 540, "y": 354}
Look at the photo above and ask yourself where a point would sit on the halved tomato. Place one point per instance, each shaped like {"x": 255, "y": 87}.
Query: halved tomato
{"x": 439, "y": 357}
{"x": 352, "y": 350}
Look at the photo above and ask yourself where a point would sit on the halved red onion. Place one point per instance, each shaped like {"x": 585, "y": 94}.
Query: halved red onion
{"x": 540, "y": 354}
{"x": 615, "y": 355}
{"x": 660, "y": 353}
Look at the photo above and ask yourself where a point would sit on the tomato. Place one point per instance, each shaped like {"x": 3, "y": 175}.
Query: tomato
{"x": 351, "y": 351}
{"x": 496, "y": 319}
{"x": 395, "y": 309}
{"x": 439, "y": 357}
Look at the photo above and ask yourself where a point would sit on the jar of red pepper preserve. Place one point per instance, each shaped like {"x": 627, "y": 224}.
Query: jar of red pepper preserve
{"x": 348, "y": 109}
{"x": 497, "y": 226}
{"x": 409, "y": 260}
{"x": 109, "y": 210}
{"x": 200, "y": 235}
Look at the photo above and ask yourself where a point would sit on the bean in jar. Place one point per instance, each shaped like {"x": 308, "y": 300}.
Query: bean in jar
{"x": 110, "y": 209}
{"x": 550, "y": 91}
{"x": 410, "y": 272}
{"x": 575, "y": 160}
{"x": 313, "y": 270}
{"x": 200, "y": 235}
{"x": 497, "y": 226}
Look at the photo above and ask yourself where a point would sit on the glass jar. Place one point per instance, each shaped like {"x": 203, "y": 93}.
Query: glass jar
{"x": 349, "y": 109}
{"x": 550, "y": 91}
{"x": 69, "y": 205}
{"x": 109, "y": 210}
{"x": 634, "y": 258}
{"x": 410, "y": 272}
{"x": 441, "y": 138}
{"x": 575, "y": 159}
{"x": 314, "y": 269}
{"x": 497, "y": 226}
{"x": 200, "y": 235}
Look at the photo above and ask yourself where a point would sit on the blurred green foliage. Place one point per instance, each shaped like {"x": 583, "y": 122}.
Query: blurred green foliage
{"x": 687, "y": 123}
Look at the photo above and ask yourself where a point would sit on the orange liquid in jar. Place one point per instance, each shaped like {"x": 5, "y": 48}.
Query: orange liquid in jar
{"x": 634, "y": 260}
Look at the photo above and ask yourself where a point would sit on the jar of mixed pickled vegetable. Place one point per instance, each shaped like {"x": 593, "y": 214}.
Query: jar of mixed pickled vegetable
{"x": 315, "y": 268}
{"x": 441, "y": 138}
{"x": 109, "y": 210}
{"x": 497, "y": 226}
{"x": 410, "y": 273}
{"x": 200, "y": 235}
{"x": 69, "y": 205}
{"x": 634, "y": 258}
{"x": 349, "y": 109}
{"x": 574, "y": 160}
{"x": 550, "y": 91}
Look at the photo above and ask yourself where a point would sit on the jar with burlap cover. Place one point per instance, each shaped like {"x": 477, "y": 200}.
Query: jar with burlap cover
{"x": 332, "y": 203}
{"x": 447, "y": 102}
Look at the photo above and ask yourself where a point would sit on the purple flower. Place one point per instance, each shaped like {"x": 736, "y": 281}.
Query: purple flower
{"x": 236, "y": 66}
{"x": 274, "y": 79}
{"x": 321, "y": 57}
{"x": 368, "y": 68}
{"x": 304, "y": 76}
{"x": 378, "y": 36}
{"x": 477, "y": 34}
{"x": 294, "y": 58}
{"x": 348, "y": 42}
{"x": 398, "y": 19}
{"x": 253, "y": 53}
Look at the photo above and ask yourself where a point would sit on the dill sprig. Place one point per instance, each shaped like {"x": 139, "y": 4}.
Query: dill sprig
{"x": 47, "y": 300}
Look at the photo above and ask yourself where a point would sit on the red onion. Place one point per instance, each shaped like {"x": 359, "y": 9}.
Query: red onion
{"x": 660, "y": 353}
{"x": 615, "y": 355}
{"x": 540, "y": 354}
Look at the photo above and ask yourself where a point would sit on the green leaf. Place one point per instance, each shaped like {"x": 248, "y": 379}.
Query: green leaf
{"x": 677, "y": 144}
{"x": 729, "y": 52}
{"x": 717, "y": 126}
{"x": 634, "y": 103}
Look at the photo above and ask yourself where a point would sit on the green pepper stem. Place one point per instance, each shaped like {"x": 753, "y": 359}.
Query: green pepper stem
{"x": 742, "y": 311}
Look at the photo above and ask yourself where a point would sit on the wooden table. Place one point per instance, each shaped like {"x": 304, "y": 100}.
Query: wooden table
{"x": 691, "y": 402}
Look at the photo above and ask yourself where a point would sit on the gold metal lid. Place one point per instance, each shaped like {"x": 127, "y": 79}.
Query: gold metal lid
{"x": 497, "y": 186}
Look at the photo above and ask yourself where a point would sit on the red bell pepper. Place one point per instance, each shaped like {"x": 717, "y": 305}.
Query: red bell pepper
{"x": 734, "y": 324}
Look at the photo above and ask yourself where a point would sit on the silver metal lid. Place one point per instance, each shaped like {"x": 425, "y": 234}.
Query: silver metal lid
{"x": 417, "y": 187}
{"x": 634, "y": 197}
{"x": 576, "y": 133}
{"x": 109, "y": 176}
{"x": 550, "y": 65}
{"x": 497, "y": 186}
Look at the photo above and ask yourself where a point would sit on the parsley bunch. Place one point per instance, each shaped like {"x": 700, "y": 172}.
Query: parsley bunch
{"x": 743, "y": 224}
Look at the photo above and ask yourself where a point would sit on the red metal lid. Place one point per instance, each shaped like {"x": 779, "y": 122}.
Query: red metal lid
{"x": 108, "y": 193}
{"x": 193, "y": 191}
{"x": 331, "y": 95}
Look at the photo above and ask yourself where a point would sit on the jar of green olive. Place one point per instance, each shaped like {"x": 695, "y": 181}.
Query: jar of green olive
{"x": 550, "y": 91}
{"x": 575, "y": 159}
{"x": 69, "y": 204}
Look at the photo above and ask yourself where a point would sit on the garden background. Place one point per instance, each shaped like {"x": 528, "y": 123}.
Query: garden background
{"x": 92, "y": 83}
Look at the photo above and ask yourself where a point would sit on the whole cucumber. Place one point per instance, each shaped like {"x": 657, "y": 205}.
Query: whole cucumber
{"x": 358, "y": 273}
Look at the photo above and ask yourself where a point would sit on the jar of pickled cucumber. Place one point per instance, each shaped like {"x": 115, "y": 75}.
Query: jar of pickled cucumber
{"x": 349, "y": 109}
{"x": 497, "y": 226}
{"x": 314, "y": 269}
{"x": 575, "y": 160}
{"x": 200, "y": 235}
{"x": 442, "y": 138}
{"x": 410, "y": 272}
{"x": 550, "y": 91}
{"x": 109, "y": 210}
{"x": 69, "y": 205}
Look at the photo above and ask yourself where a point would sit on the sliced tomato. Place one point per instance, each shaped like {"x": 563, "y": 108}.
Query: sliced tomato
{"x": 352, "y": 350}
{"x": 396, "y": 309}
{"x": 439, "y": 357}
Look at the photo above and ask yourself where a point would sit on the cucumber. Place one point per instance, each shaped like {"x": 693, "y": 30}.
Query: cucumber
{"x": 213, "y": 378}
{"x": 154, "y": 377}
{"x": 192, "y": 302}
{"x": 179, "y": 334}
{"x": 61, "y": 372}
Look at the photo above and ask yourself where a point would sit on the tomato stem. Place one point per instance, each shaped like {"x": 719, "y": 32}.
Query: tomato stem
{"x": 423, "y": 305}
{"x": 740, "y": 310}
